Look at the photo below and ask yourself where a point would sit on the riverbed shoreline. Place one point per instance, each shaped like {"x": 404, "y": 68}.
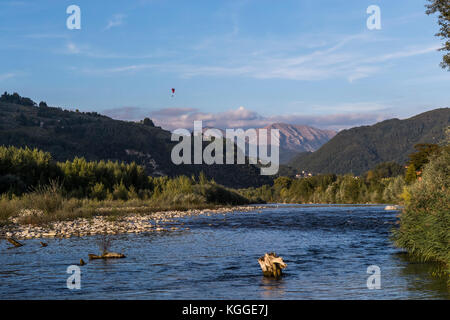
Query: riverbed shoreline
{"x": 161, "y": 221}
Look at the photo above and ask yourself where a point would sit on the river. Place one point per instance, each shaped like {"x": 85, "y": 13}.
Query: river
{"x": 327, "y": 250}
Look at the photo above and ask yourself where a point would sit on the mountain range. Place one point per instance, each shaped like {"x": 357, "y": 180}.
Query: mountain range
{"x": 69, "y": 134}
{"x": 359, "y": 149}
{"x": 293, "y": 139}
{"x": 299, "y": 138}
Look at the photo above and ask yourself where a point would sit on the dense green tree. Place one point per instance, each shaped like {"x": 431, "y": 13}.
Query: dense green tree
{"x": 24, "y": 168}
{"x": 393, "y": 190}
{"x": 16, "y": 99}
{"x": 98, "y": 191}
{"x": 388, "y": 169}
{"x": 148, "y": 122}
{"x": 443, "y": 8}
{"x": 421, "y": 157}
{"x": 411, "y": 176}
{"x": 282, "y": 182}
{"x": 349, "y": 189}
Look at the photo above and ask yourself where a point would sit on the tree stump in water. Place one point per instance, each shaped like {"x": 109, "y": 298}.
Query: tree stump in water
{"x": 272, "y": 265}
{"x": 107, "y": 255}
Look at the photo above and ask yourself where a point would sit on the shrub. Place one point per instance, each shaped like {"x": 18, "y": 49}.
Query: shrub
{"x": 120, "y": 192}
{"x": 98, "y": 191}
{"x": 8, "y": 208}
{"x": 48, "y": 198}
{"x": 425, "y": 221}
{"x": 220, "y": 195}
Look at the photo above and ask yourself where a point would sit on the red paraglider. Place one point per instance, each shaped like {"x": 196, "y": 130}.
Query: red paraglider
{"x": 173, "y": 92}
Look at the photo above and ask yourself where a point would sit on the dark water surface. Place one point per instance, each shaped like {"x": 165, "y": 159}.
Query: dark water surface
{"x": 327, "y": 250}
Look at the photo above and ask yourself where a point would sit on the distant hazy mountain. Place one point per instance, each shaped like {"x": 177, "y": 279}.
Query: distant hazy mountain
{"x": 299, "y": 138}
{"x": 359, "y": 149}
{"x": 295, "y": 139}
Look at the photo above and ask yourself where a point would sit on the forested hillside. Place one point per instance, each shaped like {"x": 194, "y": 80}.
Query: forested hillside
{"x": 69, "y": 134}
{"x": 359, "y": 149}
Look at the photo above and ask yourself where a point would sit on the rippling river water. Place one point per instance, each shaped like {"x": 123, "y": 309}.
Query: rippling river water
{"x": 327, "y": 250}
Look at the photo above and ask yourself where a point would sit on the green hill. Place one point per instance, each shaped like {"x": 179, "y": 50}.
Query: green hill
{"x": 359, "y": 149}
{"x": 68, "y": 134}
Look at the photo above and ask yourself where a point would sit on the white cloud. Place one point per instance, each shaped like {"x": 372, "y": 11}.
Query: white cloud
{"x": 6, "y": 76}
{"x": 353, "y": 114}
{"x": 46, "y": 36}
{"x": 319, "y": 65}
{"x": 407, "y": 52}
{"x": 244, "y": 118}
{"x": 333, "y": 61}
{"x": 72, "y": 48}
{"x": 121, "y": 69}
{"x": 361, "y": 73}
{"x": 115, "y": 21}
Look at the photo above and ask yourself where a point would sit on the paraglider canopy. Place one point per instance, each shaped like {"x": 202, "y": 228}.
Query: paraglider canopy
{"x": 173, "y": 93}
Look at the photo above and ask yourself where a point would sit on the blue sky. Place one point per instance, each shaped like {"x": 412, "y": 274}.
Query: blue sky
{"x": 233, "y": 63}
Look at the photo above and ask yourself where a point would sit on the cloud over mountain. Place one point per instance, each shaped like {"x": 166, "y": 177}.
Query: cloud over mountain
{"x": 173, "y": 118}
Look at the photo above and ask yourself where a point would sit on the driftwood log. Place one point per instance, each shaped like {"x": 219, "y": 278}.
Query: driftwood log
{"x": 14, "y": 242}
{"x": 272, "y": 265}
{"x": 107, "y": 255}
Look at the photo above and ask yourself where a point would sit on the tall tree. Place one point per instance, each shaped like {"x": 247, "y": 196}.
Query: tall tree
{"x": 423, "y": 154}
{"x": 443, "y": 7}
{"x": 411, "y": 175}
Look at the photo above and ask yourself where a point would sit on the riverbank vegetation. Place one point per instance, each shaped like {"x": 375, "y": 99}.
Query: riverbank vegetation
{"x": 425, "y": 222}
{"x": 383, "y": 184}
{"x": 31, "y": 182}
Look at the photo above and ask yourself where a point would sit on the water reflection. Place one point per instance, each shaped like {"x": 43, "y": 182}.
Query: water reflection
{"x": 272, "y": 288}
{"x": 420, "y": 277}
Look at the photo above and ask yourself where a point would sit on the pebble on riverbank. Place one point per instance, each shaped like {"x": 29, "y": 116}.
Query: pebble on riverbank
{"x": 133, "y": 223}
